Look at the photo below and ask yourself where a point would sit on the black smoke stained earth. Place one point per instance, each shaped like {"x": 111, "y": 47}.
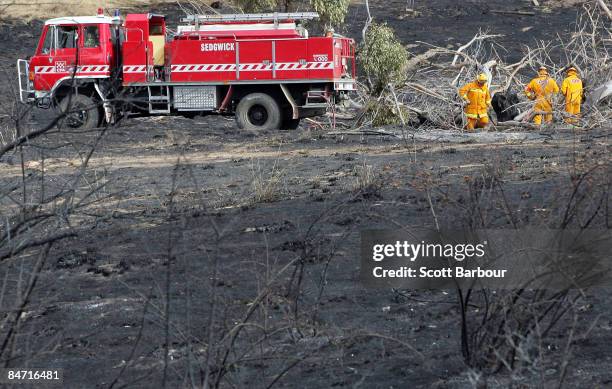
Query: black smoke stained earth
{"x": 105, "y": 305}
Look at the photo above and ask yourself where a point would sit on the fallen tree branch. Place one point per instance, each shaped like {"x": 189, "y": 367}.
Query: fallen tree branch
{"x": 399, "y": 110}
{"x": 364, "y": 33}
{"x": 510, "y": 12}
{"x": 17, "y": 248}
{"x": 315, "y": 123}
{"x": 363, "y": 132}
{"x": 488, "y": 70}
{"x": 31, "y": 135}
{"x": 424, "y": 90}
{"x": 456, "y": 53}
{"x": 514, "y": 123}
{"x": 605, "y": 7}
{"x": 517, "y": 67}
{"x": 478, "y": 37}
{"x": 417, "y": 60}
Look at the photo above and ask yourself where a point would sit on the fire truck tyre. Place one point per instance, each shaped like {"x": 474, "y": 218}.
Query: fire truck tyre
{"x": 258, "y": 111}
{"x": 81, "y": 112}
{"x": 291, "y": 124}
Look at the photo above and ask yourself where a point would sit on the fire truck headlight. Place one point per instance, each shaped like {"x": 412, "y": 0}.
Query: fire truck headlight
{"x": 31, "y": 75}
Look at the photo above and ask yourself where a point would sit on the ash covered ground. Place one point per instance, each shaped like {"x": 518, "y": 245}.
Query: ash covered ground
{"x": 208, "y": 243}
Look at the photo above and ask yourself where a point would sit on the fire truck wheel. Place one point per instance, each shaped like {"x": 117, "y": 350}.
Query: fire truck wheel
{"x": 258, "y": 111}
{"x": 81, "y": 112}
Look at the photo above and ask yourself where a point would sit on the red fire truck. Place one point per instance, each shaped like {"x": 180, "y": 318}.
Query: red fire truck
{"x": 263, "y": 68}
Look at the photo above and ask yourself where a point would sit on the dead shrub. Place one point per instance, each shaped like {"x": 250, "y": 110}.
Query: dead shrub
{"x": 504, "y": 331}
{"x": 381, "y": 114}
{"x": 267, "y": 184}
{"x": 366, "y": 179}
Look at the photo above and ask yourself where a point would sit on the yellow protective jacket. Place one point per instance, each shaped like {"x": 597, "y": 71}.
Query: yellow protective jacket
{"x": 478, "y": 99}
{"x": 542, "y": 89}
{"x": 572, "y": 89}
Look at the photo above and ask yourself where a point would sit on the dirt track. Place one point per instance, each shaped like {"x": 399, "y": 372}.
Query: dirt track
{"x": 179, "y": 199}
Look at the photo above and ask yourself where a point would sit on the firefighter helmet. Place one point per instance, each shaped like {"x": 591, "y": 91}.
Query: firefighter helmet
{"x": 482, "y": 78}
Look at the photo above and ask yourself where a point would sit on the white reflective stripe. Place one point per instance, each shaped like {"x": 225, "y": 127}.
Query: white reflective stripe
{"x": 191, "y": 68}
{"x": 99, "y": 68}
{"x": 203, "y": 68}
{"x": 44, "y": 69}
{"x": 134, "y": 69}
{"x": 80, "y": 69}
{"x": 250, "y": 67}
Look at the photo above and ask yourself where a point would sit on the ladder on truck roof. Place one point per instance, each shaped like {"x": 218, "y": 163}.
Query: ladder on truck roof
{"x": 268, "y": 17}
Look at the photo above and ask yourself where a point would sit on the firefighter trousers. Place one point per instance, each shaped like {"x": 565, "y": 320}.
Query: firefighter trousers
{"x": 573, "y": 111}
{"x": 545, "y": 111}
{"x": 473, "y": 123}
{"x": 548, "y": 118}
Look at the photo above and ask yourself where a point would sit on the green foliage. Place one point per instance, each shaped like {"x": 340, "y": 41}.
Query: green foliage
{"x": 255, "y": 6}
{"x": 383, "y": 57}
{"x": 332, "y": 12}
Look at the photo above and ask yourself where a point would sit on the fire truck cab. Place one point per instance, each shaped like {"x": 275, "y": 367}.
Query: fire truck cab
{"x": 263, "y": 68}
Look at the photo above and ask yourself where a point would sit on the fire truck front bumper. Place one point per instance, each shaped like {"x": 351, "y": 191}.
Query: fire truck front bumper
{"x": 26, "y": 92}
{"x": 28, "y": 98}
{"x": 42, "y": 99}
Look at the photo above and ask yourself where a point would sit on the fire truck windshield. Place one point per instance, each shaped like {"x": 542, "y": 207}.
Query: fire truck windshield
{"x": 48, "y": 43}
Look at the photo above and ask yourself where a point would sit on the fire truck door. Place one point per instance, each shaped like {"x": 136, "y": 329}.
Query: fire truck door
{"x": 61, "y": 57}
{"x": 255, "y": 60}
{"x": 42, "y": 61}
{"x": 94, "y": 55}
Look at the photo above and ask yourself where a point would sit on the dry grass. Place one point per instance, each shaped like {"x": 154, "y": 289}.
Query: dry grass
{"x": 267, "y": 183}
{"x": 26, "y": 10}
{"x": 366, "y": 178}
{"x": 564, "y": 3}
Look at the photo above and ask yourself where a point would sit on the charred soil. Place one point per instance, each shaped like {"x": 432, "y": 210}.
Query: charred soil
{"x": 199, "y": 220}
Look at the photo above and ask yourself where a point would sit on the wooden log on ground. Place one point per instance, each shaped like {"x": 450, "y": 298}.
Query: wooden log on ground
{"x": 514, "y": 124}
{"x": 510, "y": 12}
{"x": 362, "y": 132}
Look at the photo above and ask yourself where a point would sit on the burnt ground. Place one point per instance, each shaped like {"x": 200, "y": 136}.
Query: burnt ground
{"x": 181, "y": 223}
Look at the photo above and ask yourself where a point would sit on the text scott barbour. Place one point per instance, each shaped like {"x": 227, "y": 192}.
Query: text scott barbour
{"x": 492, "y": 258}
{"x": 413, "y": 252}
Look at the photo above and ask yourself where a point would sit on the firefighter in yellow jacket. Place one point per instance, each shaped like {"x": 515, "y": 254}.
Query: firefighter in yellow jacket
{"x": 572, "y": 90}
{"x": 478, "y": 99}
{"x": 542, "y": 89}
